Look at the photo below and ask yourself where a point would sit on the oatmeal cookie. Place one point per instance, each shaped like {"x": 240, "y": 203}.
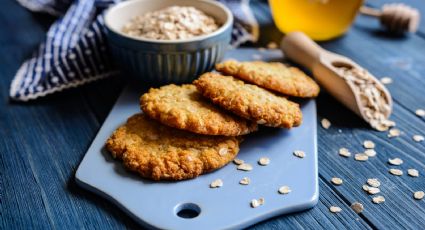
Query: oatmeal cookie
{"x": 273, "y": 76}
{"x": 159, "y": 152}
{"x": 249, "y": 101}
{"x": 183, "y": 107}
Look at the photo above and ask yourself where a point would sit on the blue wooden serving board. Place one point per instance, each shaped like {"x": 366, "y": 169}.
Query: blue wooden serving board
{"x": 155, "y": 204}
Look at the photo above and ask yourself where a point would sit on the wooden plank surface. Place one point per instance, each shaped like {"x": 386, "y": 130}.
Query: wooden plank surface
{"x": 43, "y": 141}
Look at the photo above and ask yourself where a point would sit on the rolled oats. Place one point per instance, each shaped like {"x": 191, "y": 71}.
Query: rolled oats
{"x": 394, "y": 133}
{"x": 361, "y": 157}
{"x": 420, "y": 113}
{"x": 386, "y": 80}
{"x": 255, "y": 203}
{"x": 373, "y": 190}
{"x": 373, "y": 182}
{"x": 396, "y": 172}
{"x": 357, "y": 207}
{"x": 413, "y": 172}
{"x": 373, "y": 101}
{"x": 264, "y": 161}
{"x": 419, "y": 195}
{"x": 336, "y": 181}
{"x": 299, "y": 153}
{"x": 244, "y": 167}
{"x": 370, "y": 152}
{"x": 284, "y": 190}
{"x": 223, "y": 151}
{"x": 237, "y": 161}
{"x": 418, "y": 138}
{"x": 365, "y": 187}
{"x": 171, "y": 23}
{"x": 368, "y": 144}
{"x": 378, "y": 199}
{"x": 344, "y": 152}
{"x": 216, "y": 184}
{"x": 245, "y": 181}
{"x": 395, "y": 161}
{"x": 325, "y": 123}
{"x": 335, "y": 209}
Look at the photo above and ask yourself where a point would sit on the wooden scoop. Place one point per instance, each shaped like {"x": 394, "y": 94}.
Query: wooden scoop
{"x": 396, "y": 17}
{"x": 326, "y": 68}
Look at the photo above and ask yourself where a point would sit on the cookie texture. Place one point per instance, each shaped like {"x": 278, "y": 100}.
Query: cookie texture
{"x": 272, "y": 75}
{"x": 183, "y": 107}
{"x": 159, "y": 152}
{"x": 249, "y": 101}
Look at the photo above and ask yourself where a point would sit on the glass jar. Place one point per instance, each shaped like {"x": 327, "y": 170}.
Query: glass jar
{"x": 319, "y": 19}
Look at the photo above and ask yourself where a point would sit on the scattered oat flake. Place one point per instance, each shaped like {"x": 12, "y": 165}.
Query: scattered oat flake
{"x": 413, "y": 172}
{"x": 357, "y": 207}
{"x": 335, "y": 209}
{"x": 373, "y": 190}
{"x": 261, "y": 201}
{"x": 368, "y": 144}
{"x": 386, "y": 80}
{"x": 336, "y": 181}
{"x": 378, "y": 199}
{"x": 418, "y": 138}
{"x": 419, "y": 195}
{"x": 395, "y": 161}
{"x": 264, "y": 161}
{"x": 299, "y": 153}
{"x": 365, "y": 187}
{"x": 284, "y": 190}
{"x": 261, "y": 49}
{"x": 344, "y": 152}
{"x": 325, "y": 123}
{"x": 361, "y": 157}
{"x": 373, "y": 182}
{"x": 272, "y": 45}
{"x": 394, "y": 133}
{"x": 238, "y": 161}
{"x": 222, "y": 151}
{"x": 216, "y": 184}
{"x": 420, "y": 113}
{"x": 396, "y": 172}
{"x": 370, "y": 152}
{"x": 245, "y": 167}
{"x": 255, "y": 203}
{"x": 245, "y": 181}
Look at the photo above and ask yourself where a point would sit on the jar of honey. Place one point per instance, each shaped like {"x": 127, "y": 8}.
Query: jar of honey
{"x": 319, "y": 19}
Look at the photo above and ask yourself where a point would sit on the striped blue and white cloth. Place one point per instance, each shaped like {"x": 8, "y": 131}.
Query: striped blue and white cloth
{"x": 75, "y": 50}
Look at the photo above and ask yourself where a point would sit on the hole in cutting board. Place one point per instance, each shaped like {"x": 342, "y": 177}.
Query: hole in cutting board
{"x": 340, "y": 64}
{"x": 187, "y": 210}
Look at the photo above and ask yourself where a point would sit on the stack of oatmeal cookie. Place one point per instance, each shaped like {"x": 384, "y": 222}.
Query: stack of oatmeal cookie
{"x": 188, "y": 130}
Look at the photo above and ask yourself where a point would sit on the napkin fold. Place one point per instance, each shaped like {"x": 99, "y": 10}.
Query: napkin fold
{"x": 75, "y": 51}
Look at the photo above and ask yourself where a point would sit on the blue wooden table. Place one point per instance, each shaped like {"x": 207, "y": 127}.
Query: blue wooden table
{"x": 42, "y": 142}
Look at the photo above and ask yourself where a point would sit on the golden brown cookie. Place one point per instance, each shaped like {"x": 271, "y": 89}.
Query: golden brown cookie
{"x": 159, "y": 152}
{"x": 183, "y": 107}
{"x": 272, "y": 75}
{"x": 249, "y": 101}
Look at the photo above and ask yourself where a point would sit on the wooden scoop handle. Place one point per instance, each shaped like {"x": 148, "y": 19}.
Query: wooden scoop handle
{"x": 301, "y": 49}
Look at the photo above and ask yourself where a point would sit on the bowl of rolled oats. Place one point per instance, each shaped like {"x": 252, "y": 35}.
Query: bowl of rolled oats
{"x": 168, "y": 41}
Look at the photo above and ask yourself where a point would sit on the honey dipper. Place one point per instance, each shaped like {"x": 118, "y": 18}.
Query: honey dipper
{"x": 344, "y": 79}
{"x": 396, "y": 17}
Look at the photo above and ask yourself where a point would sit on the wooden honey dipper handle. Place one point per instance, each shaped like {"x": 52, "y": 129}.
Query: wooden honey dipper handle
{"x": 396, "y": 17}
{"x": 301, "y": 49}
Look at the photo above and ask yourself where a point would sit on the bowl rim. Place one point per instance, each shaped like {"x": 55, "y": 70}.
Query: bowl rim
{"x": 221, "y": 29}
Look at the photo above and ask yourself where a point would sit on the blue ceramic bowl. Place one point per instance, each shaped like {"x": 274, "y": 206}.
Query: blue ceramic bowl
{"x": 158, "y": 61}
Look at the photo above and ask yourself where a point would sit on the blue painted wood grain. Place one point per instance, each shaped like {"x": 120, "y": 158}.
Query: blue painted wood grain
{"x": 42, "y": 142}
